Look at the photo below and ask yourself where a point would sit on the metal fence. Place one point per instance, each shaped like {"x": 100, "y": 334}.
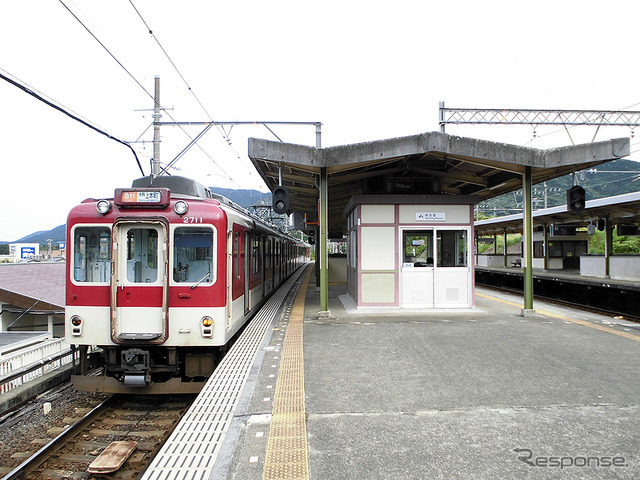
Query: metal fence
{"x": 34, "y": 362}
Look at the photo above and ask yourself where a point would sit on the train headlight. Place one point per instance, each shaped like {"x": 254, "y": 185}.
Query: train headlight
{"x": 103, "y": 207}
{"x": 76, "y": 322}
{"x": 206, "y": 328}
{"x": 181, "y": 207}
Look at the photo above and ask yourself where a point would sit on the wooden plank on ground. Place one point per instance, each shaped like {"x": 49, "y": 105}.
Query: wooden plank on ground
{"x": 113, "y": 457}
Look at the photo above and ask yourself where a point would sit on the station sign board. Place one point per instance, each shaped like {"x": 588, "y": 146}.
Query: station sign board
{"x": 430, "y": 216}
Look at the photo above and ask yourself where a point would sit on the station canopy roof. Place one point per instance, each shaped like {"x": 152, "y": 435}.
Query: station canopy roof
{"x": 428, "y": 163}
{"x": 621, "y": 209}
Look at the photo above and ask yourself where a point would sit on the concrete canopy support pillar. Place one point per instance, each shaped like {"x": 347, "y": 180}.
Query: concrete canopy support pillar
{"x": 527, "y": 229}
{"x": 322, "y": 241}
{"x": 608, "y": 246}
{"x": 546, "y": 247}
{"x": 505, "y": 249}
{"x": 477, "y": 242}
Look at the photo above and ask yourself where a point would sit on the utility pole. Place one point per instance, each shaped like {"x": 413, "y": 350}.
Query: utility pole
{"x": 155, "y": 171}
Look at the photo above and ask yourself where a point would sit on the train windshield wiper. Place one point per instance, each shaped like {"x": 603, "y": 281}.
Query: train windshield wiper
{"x": 200, "y": 281}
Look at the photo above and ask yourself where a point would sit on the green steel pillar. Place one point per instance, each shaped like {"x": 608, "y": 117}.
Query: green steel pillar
{"x": 322, "y": 241}
{"x": 527, "y": 229}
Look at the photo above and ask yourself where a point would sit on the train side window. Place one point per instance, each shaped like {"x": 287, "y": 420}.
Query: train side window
{"x": 255, "y": 255}
{"x": 193, "y": 255}
{"x": 92, "y": 254}
{"x": 236, "y": 256}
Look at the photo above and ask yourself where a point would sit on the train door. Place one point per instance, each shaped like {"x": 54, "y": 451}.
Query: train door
{"x": 417, "y": 270}
{"x": 263, "y": 265}
{"x": 230, "y": 278}
{"x": 246, "y": 249}
{"x": 272, "y": 262}
{"x": 139, "y": 281}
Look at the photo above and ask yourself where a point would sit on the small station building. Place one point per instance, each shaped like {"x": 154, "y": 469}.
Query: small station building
{"x": 405, "y": 206}
{"x": 410, "y": 251}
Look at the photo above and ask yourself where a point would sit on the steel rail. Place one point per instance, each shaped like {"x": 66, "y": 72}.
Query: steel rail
{"x": 37, "y": 458}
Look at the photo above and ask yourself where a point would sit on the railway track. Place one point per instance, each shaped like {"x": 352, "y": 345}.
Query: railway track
{"x": 148, "y": 421}
{"x": 558, "y": 301}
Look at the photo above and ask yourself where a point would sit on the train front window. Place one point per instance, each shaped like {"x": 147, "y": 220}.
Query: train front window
{"x": 193, "y": 255}
{"x": 92, "y": 254}
{"x": 142, "y": 255}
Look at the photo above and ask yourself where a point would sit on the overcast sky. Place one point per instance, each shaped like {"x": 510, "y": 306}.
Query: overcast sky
{"x": 367, "y": 70}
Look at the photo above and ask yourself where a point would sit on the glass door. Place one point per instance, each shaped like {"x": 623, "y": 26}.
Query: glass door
{"x": 417, "y": 271}
{"x": 452, "y": 277}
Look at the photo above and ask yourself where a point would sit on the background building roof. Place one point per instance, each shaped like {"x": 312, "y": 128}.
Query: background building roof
{"x": 22, "y": 284}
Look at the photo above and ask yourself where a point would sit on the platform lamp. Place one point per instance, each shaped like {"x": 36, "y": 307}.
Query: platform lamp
{"x": 576, "y": 199}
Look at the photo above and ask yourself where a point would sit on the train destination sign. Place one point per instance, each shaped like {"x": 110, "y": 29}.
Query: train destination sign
{"x": 142, "y": 197}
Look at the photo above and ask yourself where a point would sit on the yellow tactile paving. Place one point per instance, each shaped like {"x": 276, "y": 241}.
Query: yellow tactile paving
{"x": 287, "y": 453}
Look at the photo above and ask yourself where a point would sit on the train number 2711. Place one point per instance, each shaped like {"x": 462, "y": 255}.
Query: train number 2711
{"x": 191, "y": 219}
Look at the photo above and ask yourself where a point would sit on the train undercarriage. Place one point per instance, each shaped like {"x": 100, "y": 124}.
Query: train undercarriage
{"x": 138, "y": 369}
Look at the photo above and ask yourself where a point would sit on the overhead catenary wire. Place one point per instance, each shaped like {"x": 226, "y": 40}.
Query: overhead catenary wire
{"x": 71, "y": 115}
{"x": 175, "y": 67}
{"x": 220, "y": 130}
{"x": 138, "y": 83}
{"x": 106, "y": 49}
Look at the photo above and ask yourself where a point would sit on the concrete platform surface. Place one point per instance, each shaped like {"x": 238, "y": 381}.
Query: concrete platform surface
{"x": 474, "y": 394}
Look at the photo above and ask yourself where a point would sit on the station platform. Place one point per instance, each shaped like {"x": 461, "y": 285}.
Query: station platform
{"x": 481, "y": 393}
{"x": 569, "y": 275}
{"x": 11, "y": 342}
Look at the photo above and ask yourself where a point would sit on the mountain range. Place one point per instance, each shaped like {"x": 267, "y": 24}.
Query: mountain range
{"x": 608, "y": 180}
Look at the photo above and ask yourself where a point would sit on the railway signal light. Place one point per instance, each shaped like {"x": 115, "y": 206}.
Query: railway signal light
{"x": 280, "y": 200}
{"x": 576, "y": 199}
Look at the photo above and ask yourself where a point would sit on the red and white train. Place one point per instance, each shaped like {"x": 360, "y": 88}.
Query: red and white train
{"x": 161, "y": 277}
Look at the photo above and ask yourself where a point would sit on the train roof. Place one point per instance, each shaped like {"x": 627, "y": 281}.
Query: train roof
{"x": 183, "y": 186}
{"x": 178, "y": 185}
{"x": 187, "y": 187}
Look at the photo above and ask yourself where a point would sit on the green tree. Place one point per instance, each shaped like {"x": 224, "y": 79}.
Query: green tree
{"x": 620, "y": 244}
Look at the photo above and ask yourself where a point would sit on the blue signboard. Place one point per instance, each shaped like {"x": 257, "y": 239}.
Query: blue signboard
{"x": 26, "y": 252}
